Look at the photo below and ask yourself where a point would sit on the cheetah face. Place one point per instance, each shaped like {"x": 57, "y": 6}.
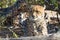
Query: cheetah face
{"x": 37, "y": 12}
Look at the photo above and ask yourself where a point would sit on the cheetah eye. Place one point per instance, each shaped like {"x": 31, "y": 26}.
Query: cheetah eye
{"x": 37, "y": 11}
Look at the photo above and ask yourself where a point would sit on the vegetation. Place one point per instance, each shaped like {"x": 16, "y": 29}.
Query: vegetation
{"x": 6, "y": 3}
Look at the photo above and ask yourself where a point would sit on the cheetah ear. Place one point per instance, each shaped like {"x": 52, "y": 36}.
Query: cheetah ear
{"x": 44, "y": 6}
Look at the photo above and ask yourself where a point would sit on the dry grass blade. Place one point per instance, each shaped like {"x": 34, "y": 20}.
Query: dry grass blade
{"x": 14, "y": 34}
